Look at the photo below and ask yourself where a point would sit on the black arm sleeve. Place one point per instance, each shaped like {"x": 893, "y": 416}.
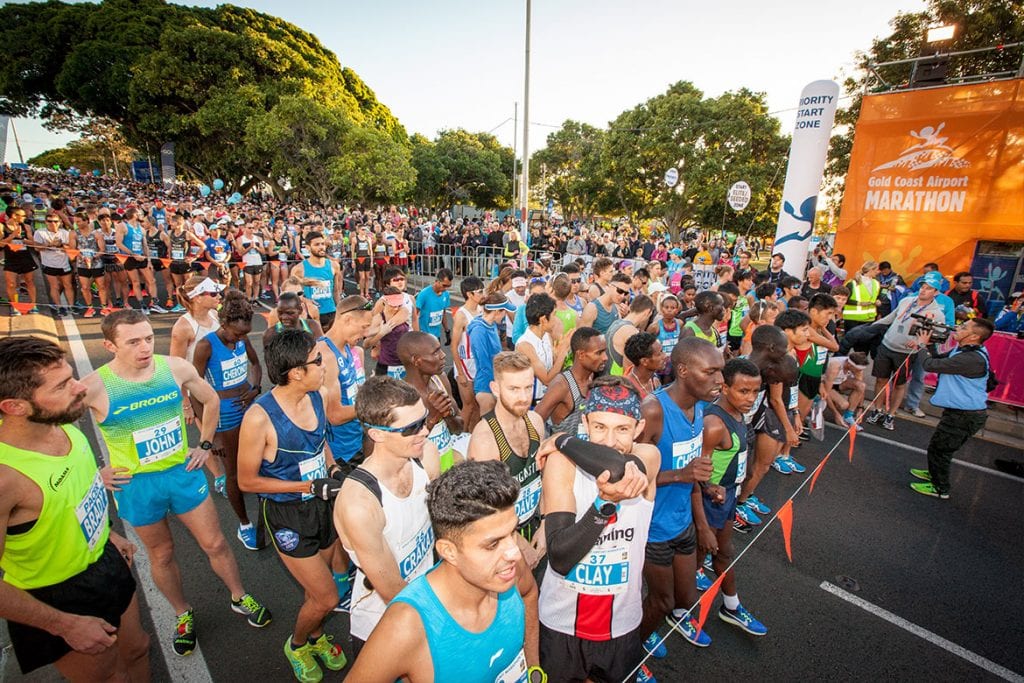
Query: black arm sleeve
{"x": 594, "y": 458}
{"x": 569, "y": 540}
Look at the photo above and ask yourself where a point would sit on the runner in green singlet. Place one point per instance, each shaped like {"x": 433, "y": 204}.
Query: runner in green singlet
{"x": 136, "y": 400}
{"x": 67, "y": 593}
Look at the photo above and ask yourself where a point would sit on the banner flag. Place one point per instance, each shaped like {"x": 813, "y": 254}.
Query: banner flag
{"x": 853, "y": 438}
{"x": 785, "y": 515}
{"x": 817, "y": 471}
{"x": 167, "y": 170}
{"x": 814, "y": 120}
{"x": 707, "y": 600}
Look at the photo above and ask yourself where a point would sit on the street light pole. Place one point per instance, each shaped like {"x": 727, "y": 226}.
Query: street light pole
{"x": 524, "y": 195}
{"x": 515, "y": 153}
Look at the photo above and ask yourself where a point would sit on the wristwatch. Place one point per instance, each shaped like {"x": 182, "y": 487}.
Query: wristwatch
{"x": 605, "y": 508}
{"x": 206, "y": 445}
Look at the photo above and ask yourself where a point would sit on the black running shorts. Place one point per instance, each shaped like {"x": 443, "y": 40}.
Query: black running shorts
{"x": 103, "y": 590}
{"x": 299, "y": 528}
{"x": 567, "y": 658}
{"x": 662, "y": 552}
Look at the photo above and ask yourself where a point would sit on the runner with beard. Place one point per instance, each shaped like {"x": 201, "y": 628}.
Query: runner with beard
{"x": 321, "y": 278}
{"x": 512, "y": 433}
{"x": 674, "y": 420}
{"x": 423, "y": 359}
{"x": 67, "y": 593}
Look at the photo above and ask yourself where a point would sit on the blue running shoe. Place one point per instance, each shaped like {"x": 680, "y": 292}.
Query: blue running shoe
{"x": 747, "y": 514}
{"x": 247, "y": 535}
{"x": 703, "y": 582}
{"x": 781, "y": 465}
{"x": 794, "y": 465}
{"x": 656, "y": 646}
{"x": 644, "y": 675}
{"x": 758, "y": 507}
{"x": 709, "y": 564}
{"x": 687, "y": 628}
{"x": 742, "y": 618}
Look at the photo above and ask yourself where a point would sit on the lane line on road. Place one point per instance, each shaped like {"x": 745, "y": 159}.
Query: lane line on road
{"x": 922, "y": 451}
{"x": 192, "y": 668}
{"x": 924, "y": 634}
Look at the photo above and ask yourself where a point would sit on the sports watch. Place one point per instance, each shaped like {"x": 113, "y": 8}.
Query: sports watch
{"x": 605, "y": 508}
{"x": 206, "y": 445}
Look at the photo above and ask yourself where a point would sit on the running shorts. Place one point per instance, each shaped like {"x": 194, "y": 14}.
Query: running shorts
{"x": 134, "y": 264}
{"x": 889, "y": 363}
{"x": 150, "y": 496}
{"x": 568, "y": 658}
{"x": 809, "y": 386}
{"x": 56, "y": 272}
{"x": 103, "y": 590}
{"x": 662, "y": 552}
{"x": 180, "y": 268}
{"x": 720, "y": 514}
{"x": 299, "y": 528}
{"x": 92, "y": 272}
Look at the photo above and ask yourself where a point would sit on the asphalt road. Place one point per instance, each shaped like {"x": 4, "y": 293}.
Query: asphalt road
{"x": 952, "y": 569}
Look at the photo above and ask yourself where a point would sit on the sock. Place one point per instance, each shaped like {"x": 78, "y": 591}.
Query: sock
{"x": 848, "y": 414}
{"x": 311, "y": 639}
{"x": 245, "y": 527}
{"x": 294, "y": 647}
{"x": 731, "y": 601}
{"x": 678, "y": 614}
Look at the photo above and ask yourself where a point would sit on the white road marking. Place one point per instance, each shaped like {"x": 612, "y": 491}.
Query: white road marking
{"x": 914, "y": 449}
{"x": 924, "y": 634}
{"x": 193, "y": 667}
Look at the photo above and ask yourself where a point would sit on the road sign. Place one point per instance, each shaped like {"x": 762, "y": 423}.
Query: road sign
{"x": 672, "y": 177}
{"x": 739, "y": 196}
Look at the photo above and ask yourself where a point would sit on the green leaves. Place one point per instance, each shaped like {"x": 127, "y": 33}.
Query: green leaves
{"x": 462, "y": 167}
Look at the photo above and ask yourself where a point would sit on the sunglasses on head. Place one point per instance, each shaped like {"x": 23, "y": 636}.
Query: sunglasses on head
{"x": 411, "y": 429}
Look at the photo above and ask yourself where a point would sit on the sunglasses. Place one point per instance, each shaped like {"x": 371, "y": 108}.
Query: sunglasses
{"x": 411, "y": 429}
{"x": 51, "y": 220}
{"x": 211, "y": 294}
{"x": 623, "y": 292}
{"x": 318, "y": 361}
{"x": 368, "y": 306}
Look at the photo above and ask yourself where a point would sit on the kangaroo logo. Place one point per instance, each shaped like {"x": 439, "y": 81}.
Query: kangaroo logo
{"x": 806, "y": 215}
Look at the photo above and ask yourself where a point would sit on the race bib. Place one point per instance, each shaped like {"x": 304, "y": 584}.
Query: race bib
{"x": 153, "y": 444}
{"x": 415, "y": 550}
{"x": 435, "y": 318}
{"x": 178, "y": 254}
{"x": 514, "y": 672}
{"x": 396, "y": 371}
{"x": 741, "y": 466}
{"x": 87, "y": 253}
{"x": 822, "y": 355}
{"x": 321, "y": 290}
{"x": 305, "y": 252}
{"x": 312, "y": 468}
{"x": 92, "y": 512}
{"x": 792, "y": 398}
{"x": 684, "y": 452}
{"x": 757, "y": 404}
{"x": 234, "y": 370}
{"x": 528, "y": 500}
{"x": 601, "y": 572}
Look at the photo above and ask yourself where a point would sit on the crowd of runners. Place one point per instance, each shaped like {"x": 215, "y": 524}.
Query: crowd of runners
{"x": 547, "y": 505}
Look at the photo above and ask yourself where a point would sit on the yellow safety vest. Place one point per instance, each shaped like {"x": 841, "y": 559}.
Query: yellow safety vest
{"x": 861, "y": 305}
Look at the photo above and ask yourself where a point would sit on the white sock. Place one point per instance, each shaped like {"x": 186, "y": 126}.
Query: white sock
{"x": 245, "y": 526}
{"x": 678, "y": 614}
{"x": 731, "y": 601}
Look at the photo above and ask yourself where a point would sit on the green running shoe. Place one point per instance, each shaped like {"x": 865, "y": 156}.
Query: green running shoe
{"x": 185, "y": 634}
{"x": 329, "y": 653}
{"x": 304, "y": 666}
{"x": 926, "y": 488}
{"x": 258, "y": 615}
{"x": 923, "y": 475}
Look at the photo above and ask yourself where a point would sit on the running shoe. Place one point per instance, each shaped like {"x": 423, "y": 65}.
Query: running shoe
{"x": 257, "y": 615}
{"x": 742, "y": 618}
{"x": 185, "y": 634}
{"x": 805, "y": 435}
{"x": 145, "y": 310}
{"x": 740, "y": 526}
{"x": 89, "y": 313}
{"x": 247, "y": 535}
{"x": 781, "y": 465}
{"x": 169, "y": 305}
{"x": 747, "y": 514}
{"x": 655, "y": 646}
{"x": 709, "y": 564}
{"x": 794, "y": 465}
{"x": 304, "y": 666}
{"x": 644, "y": 675}
{"x": 157, "y": 308}
{"x": 889, "y": 423}
{"x": 703, "y": 582}
{"x": 874, "y": 416}
{"x": 687, "y": 628}
{"x": 63, "y": 312}
{"x": 923, "y": 475}
{"x": 926, "y": 488}
{"x": 119, "y": 303}
{"x": 755, "y": 503}
{"x": 105, "y": 311}
{"x": 329, "y": 653}
{"x": 15, "y": 313}
{"x": 220, "y": 485}
{"x": 178, "y": 308}
{"x": 849, "y": 418}
{"x": 34, "y": 309}
{"x": 916, "y": 412}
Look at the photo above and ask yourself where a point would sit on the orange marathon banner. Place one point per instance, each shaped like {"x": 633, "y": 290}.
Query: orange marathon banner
{"x": 933, "y": 171}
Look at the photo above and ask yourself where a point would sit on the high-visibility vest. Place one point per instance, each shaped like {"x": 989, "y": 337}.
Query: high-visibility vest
{"x": 861, "y": 305}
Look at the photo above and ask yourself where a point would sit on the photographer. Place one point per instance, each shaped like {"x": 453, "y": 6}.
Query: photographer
{"x": 965, "y": 378}
{"x": 899, "y": 345}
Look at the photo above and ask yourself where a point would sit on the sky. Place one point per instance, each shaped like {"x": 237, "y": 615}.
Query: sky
{"x": 459, "y": 63}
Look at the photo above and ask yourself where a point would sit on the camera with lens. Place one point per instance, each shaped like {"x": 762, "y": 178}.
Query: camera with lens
{"x": 940, "y": 332}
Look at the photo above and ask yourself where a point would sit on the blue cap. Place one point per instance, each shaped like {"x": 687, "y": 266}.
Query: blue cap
{"x": 677, "y": 252}
{"x": 933, "y": 279}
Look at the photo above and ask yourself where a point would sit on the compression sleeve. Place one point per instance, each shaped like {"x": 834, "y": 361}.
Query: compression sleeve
{"x": 595, "y": 458}
{"x": 569, "y": 540}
